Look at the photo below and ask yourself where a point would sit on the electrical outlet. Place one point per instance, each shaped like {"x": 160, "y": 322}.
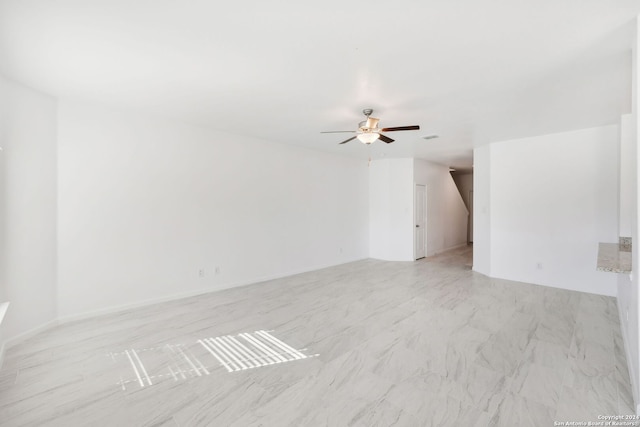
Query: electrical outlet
{"x": 217, "y": 270}
{"x": 201, "y": 273}
{"x": 539, "y": 266}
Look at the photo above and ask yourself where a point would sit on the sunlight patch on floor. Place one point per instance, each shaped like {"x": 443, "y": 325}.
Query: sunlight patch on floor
{"x": 148, "y": 366}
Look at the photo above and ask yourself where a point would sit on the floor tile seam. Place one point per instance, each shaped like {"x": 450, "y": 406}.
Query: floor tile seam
{"x": 512, "y": 375}
{"x": 624, "y": 376}
{"x": 627, "y": 384}
{"x": 584, "y": 349}
{"x": 380, "y": 399}
{"x": 551, "y": 410}
{"x": 618, "y": 394}
{"x": 585, "y": 343}
{"x": 556, "y": 342}
{"x": 565, "y": 376}
{"x": 460, "y": 403}
{"x": 378, "y": 314}
{"x": 540, "y": 401}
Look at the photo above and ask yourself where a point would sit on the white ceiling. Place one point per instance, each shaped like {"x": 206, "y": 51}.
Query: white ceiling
{"x": 469, "y": 71}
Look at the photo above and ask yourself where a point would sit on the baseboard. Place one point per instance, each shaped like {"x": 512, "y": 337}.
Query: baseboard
{"x": 438, "y": 252}
{"x": 632, "y": 373}
{"x": 195, "y": 292}
{"x": 3, "y": 345}
{"x": 115, "y": 309}
{"x": 124, "y": 307}
{"x": 10, "y": 342}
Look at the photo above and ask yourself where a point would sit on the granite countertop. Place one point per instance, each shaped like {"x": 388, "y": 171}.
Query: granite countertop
{"x": 615, "y": 257}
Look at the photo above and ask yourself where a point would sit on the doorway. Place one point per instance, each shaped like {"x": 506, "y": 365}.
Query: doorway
{"x": 420, "y": 220}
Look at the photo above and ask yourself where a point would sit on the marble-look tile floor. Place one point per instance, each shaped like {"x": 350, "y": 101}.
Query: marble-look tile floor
{"x": 426, "y": 343}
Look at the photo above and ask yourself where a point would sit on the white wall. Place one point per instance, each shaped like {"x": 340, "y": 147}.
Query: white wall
{"x": 446, "y": 212}
{"x": 626, "y": 181}
{"x": 145, "y": 203}
{"x": 464, "y": 182}
{"x": 28, "y": 222}
{"x": 4, "y": 123}
{"x": 391, "y": 209}
{"x": 553, "y": 199}
{"x": 4, "y": 109}
{"x": 482, "y": 210}
{"x": 379, "y": 212}
{"x": 628, "y": 295}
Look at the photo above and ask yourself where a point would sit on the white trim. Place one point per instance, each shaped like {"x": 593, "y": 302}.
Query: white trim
{"x": 426, "y": 219}
{"x": 123, "y": 307}
{"x": 196, "y": 292}
{"x": 632, "y": 374}
{"x": 115, "y": 309}
{"x": 447, "y": 249}
{"x": 3, "y": 310}
{"x": 10, "y": 342}
{"x": 2, "y": 351}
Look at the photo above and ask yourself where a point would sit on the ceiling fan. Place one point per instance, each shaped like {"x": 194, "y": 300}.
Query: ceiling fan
{"x": 368, "y": 130}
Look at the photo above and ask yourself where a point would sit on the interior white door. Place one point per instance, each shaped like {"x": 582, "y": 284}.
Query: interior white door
{"x": 420, "y": 218}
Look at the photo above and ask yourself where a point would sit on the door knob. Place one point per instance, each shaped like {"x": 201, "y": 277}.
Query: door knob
{"x": 417, "y": 226}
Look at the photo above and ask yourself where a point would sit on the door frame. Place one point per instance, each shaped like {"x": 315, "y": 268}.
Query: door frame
{"x": 415, "y": 208}
{"x": 470, "y": 222}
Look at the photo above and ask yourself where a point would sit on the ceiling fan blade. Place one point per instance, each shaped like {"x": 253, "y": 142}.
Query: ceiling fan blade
{"x": 415, "y": 127}
{"x": 339, "y": 131}
{"x": 347, "y": 140}
{"x": 386, "y": 139}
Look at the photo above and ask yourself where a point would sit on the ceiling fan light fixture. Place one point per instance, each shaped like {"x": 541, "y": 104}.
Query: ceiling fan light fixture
{"x": 368, "y": 137}
{"x": 368, "y": 131}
